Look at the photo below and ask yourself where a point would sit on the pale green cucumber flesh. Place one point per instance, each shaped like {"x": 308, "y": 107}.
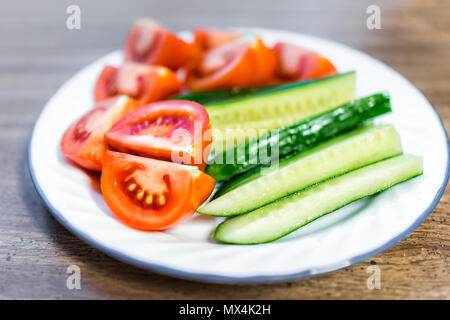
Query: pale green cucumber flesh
{"x": 280, "y": 107}
{"x": 281, "y": 217}
{"x": 337, "y": 156}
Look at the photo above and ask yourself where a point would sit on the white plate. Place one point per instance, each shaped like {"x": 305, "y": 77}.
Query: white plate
{"x": 347, "y": 236}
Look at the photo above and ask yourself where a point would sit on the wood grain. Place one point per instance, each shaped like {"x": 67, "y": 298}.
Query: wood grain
{"x": 38, "y": 53}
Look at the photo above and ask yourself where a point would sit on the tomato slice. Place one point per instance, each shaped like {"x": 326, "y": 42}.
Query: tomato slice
{"x": 243, "y": 62}
{"x": 173, "y": 130}
{"x": 105, "y": 87}
{"x": 140, "y": 81}
{"x": 83, "y": 141}
{"x": 296, "y": 63}
{"x": 225, "y": 67}
{"x": 150, "y": 43}
{"x": 208, "y": 39}
{"x": 150, "y": 194}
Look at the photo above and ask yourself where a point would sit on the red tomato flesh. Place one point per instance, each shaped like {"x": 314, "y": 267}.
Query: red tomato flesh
{"x": 139, "y": 81}
{"x": 243, "y": 62}
{"x": 150, "y": 194}
{"x": 150, "y": 43}
{"x": 105, "y": 87}
{"x": 83, "y": 141}
{"x": 208, "y": 39}
{"x": 170, "y": 130}
{"x": 296, "y": 63}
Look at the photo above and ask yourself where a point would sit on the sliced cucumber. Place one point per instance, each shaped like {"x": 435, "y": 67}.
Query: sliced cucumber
{"x": 208, "y": 98}
{"x": 281, "y": 217}
{"x": 294, "y": 138}
{"x": 345, "y": 153}
{"x": 280, "y": 106}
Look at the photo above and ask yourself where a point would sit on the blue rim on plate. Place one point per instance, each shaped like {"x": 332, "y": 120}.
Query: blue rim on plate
{"x": 202, "y": 277}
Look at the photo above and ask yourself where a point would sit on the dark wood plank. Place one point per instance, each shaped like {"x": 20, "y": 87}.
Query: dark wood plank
{"x": 38, "y": 53}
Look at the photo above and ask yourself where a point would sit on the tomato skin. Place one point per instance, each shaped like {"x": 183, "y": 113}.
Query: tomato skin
{"x": 264, "y": 64}
{"x": 235, "y": 74}
{"x": 324, "y": 69}
{"x": 83, "y": 141}
{"x": 296, "y": 63}
{"x": 244, "y": 62}
{"x": 174, "y": 130}
{"x": 139, "y": 81}
{"x": 183, "y": 198}
{"x": 207, "y": 39}
{"x": 146, "y": 83}
{"x": 288, "y": 60}
{"x": 150, "y": 43}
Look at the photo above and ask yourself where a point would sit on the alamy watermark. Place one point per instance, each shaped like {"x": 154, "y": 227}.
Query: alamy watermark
{"x": 374, "y": 19}
{"x": 73, "y": 21}
{"x": 230, "y": 146}
{"x": 374, "y": 280}
{"x": 74, "y": 279}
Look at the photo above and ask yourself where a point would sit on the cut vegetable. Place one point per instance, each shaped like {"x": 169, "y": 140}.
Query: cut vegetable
{"x": 279, "y": 218}
{"x": 332, "y": 158}
{"x": 150, "y": 194}
{"x": 281, "y": 106}
{"x": 244, "y": 62}
{"x": 207, "y": 39}
{"x": 297, "y": 63}
{"x": 296, "y": 137}
{"x": 212, "y": 97}
{"x": 140, "y": 81}
{"x": 174, "y": 131}
{"x": 83, "y": 141}
{"x": 152, "y": 44}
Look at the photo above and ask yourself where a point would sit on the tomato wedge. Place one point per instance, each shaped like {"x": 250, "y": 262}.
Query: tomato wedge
{"x": 296, "y": 63}
{"x": 149, "y": 194}
{"x": 150, "y": 43}
{"x": 140, "y": 81}
{"x": 324, "y": 68}
{"x": 173, "y": 130}
{"x": 207, "y": 39}
{"x": 83, "y": 141}
{"x": 243, "y": 62}
{"x": 106, "y": 87}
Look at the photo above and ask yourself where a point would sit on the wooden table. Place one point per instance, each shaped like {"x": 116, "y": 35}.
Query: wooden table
{"x": 38, "y": 53}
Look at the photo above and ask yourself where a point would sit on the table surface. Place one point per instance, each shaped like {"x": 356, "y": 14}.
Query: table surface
{"x": 38, "y": 54}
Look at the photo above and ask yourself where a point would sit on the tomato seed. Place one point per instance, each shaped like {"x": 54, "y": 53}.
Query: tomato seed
{"x": 149, "y": 200}
{"x": 140, "y": 195}
{"x": 161, "y": 200}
